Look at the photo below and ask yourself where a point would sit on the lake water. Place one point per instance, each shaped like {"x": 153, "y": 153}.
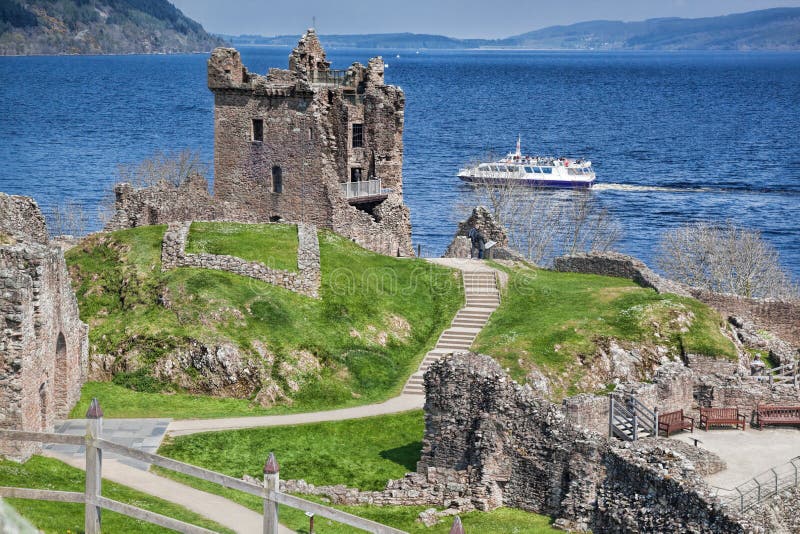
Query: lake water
{"x": 674, "y": 137}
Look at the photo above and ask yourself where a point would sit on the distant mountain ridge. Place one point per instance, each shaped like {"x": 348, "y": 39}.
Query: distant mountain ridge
{"x": 30, "y": 27}
{"x": 767, "y": 29}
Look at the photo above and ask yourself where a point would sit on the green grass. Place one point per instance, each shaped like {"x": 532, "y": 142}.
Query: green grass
{"x": 551, "y": 321}
{"x": 274, "y": 245}
{"x": 47, "y": 473}
{"x": 363, "y": 453}
{"x": 377, "y": 317}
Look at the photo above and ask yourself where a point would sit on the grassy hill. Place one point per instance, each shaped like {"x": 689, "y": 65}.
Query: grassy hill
{"x": 570, "y": 328}
{"x": 99, "y": 27}
{"x": 190, "y": 330}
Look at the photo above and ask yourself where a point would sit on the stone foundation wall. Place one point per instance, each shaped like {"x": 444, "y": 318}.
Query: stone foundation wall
{"x": 511, "y": 448}
{"x": 305, "y": 281}
{"x": 43, "y": 343}
{"x": 706, "y": 365}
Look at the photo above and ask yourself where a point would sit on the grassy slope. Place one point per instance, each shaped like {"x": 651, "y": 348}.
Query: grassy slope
{"x": 119, "y": 284}
{"x": 47, "y": 473}
{"x": 551, "y": 319}
{"x": 274, "y": 245}
{"x": 363, "y": 453}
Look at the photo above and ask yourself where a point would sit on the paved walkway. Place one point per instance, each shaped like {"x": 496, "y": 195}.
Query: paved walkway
{"x": 227, "y": 513}
{"x": 142, "y": 434}
{"x": 747, "y": 453}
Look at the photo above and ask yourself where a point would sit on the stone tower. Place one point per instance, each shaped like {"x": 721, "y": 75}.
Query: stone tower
{"x": 311, "y": 144}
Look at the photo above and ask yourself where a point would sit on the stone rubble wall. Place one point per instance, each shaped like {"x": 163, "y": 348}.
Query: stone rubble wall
{"x": 779, "y": 316}
{"x": 21, "y": 218}
{"x": 43, "y": 343}
{"x": 483, "y": 221}
{"x": 305, "y": 281}
{"x": 511, "y": 448}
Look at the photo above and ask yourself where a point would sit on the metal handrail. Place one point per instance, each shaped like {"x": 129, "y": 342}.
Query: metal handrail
{"x": 364, "y": 188}
{"x": 764, "y": 485}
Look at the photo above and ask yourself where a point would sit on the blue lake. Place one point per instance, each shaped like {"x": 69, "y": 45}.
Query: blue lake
{"x": 674, "y": 137}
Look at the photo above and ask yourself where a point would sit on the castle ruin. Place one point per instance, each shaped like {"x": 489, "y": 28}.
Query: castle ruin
{"x": 309, "y": 144}
{"x": 43, "y": 342}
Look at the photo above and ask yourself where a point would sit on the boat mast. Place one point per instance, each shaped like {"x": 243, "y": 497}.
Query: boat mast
{"x": 519, "y": 146}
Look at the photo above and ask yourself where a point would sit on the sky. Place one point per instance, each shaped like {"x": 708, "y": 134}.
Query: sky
{"x": 454, "y": 18}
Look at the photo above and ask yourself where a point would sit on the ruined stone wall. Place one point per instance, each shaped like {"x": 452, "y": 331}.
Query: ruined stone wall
{"x": 779, "y": 316}
{"x": 43, "y": 343}
{"x": 483, "y": 221}
{"x": 306, "y": 280}
{"x": 21, "y": 219}
{"x": 743, "y": 392}
{"x": 162, "y": 203}
{"x": 511, "y": 448}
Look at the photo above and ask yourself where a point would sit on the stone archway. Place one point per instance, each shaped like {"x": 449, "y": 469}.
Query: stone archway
{"x": 60, "y": 382}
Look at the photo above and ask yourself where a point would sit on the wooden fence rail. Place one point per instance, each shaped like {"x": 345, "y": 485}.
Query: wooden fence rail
{"x": 95, "y": 502}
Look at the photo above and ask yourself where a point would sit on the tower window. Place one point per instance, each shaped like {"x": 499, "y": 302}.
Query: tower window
{"x": 358, "y": 135}
{"x": 277, "y": 179}
{"x": 258, "y": 129}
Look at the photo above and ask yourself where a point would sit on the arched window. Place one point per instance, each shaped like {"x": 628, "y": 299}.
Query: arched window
{"x": 277, "y": 180}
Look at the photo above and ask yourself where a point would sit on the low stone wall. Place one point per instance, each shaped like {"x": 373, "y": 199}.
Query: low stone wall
{"x": 706, "y": 365}
{"x": 21, "y": 219}
{"x": 511, "y": 448}
{"x": 779, "y": 316}
{"x": 305, "y": 281}
{"x": 620, "y": 266}
{"x": 743, "y": 393}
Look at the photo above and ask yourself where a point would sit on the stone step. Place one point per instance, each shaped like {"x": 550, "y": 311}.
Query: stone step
{"x": 414, "y": 391}
{"x": 457, "y": 346}
{"x": 468, "y": 322}
{"x": 456, "y": 336}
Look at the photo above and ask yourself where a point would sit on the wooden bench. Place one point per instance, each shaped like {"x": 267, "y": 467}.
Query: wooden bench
{"x": 721, "y": 416}
{"x": 670, "y": 422}
{"x": 777, "y": 415}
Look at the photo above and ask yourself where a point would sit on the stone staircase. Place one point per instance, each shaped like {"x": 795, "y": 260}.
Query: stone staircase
{"x": 482, "y": 298}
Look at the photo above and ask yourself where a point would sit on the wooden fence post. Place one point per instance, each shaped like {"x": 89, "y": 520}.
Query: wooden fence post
{"x": 271, "y": 483}
{"x": 94, "y": 468}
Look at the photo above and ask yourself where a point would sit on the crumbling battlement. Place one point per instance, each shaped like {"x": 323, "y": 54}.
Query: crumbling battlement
{"x": 512, "y": 448}
{"x": 43, "y": 343}
{"x": 308, "y": 144}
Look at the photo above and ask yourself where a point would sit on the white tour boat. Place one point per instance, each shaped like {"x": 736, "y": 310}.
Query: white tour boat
{"x": 534, "y": 171}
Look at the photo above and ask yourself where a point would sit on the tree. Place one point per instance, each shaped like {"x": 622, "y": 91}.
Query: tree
{"x": 173, "y": 167}
{"x": 68, "y": 218}
{"x": 726, "y": 259}
{"x": 544, "y": 223}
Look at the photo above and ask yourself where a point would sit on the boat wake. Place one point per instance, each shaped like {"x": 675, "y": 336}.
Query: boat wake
{"x": 644, "y": 188}
{"x": 676, "y": 189}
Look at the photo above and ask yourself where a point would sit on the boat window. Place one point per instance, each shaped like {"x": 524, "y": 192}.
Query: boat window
{"x": 537, "y": 170}
{"x": 528, "y": 170}
{"x": 547, "y": 170}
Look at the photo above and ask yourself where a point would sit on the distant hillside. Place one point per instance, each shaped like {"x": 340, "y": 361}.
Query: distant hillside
{"x": 768, "y": 29}
{"x": 98, "y": 27}
{"x": 372, "y": 40}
